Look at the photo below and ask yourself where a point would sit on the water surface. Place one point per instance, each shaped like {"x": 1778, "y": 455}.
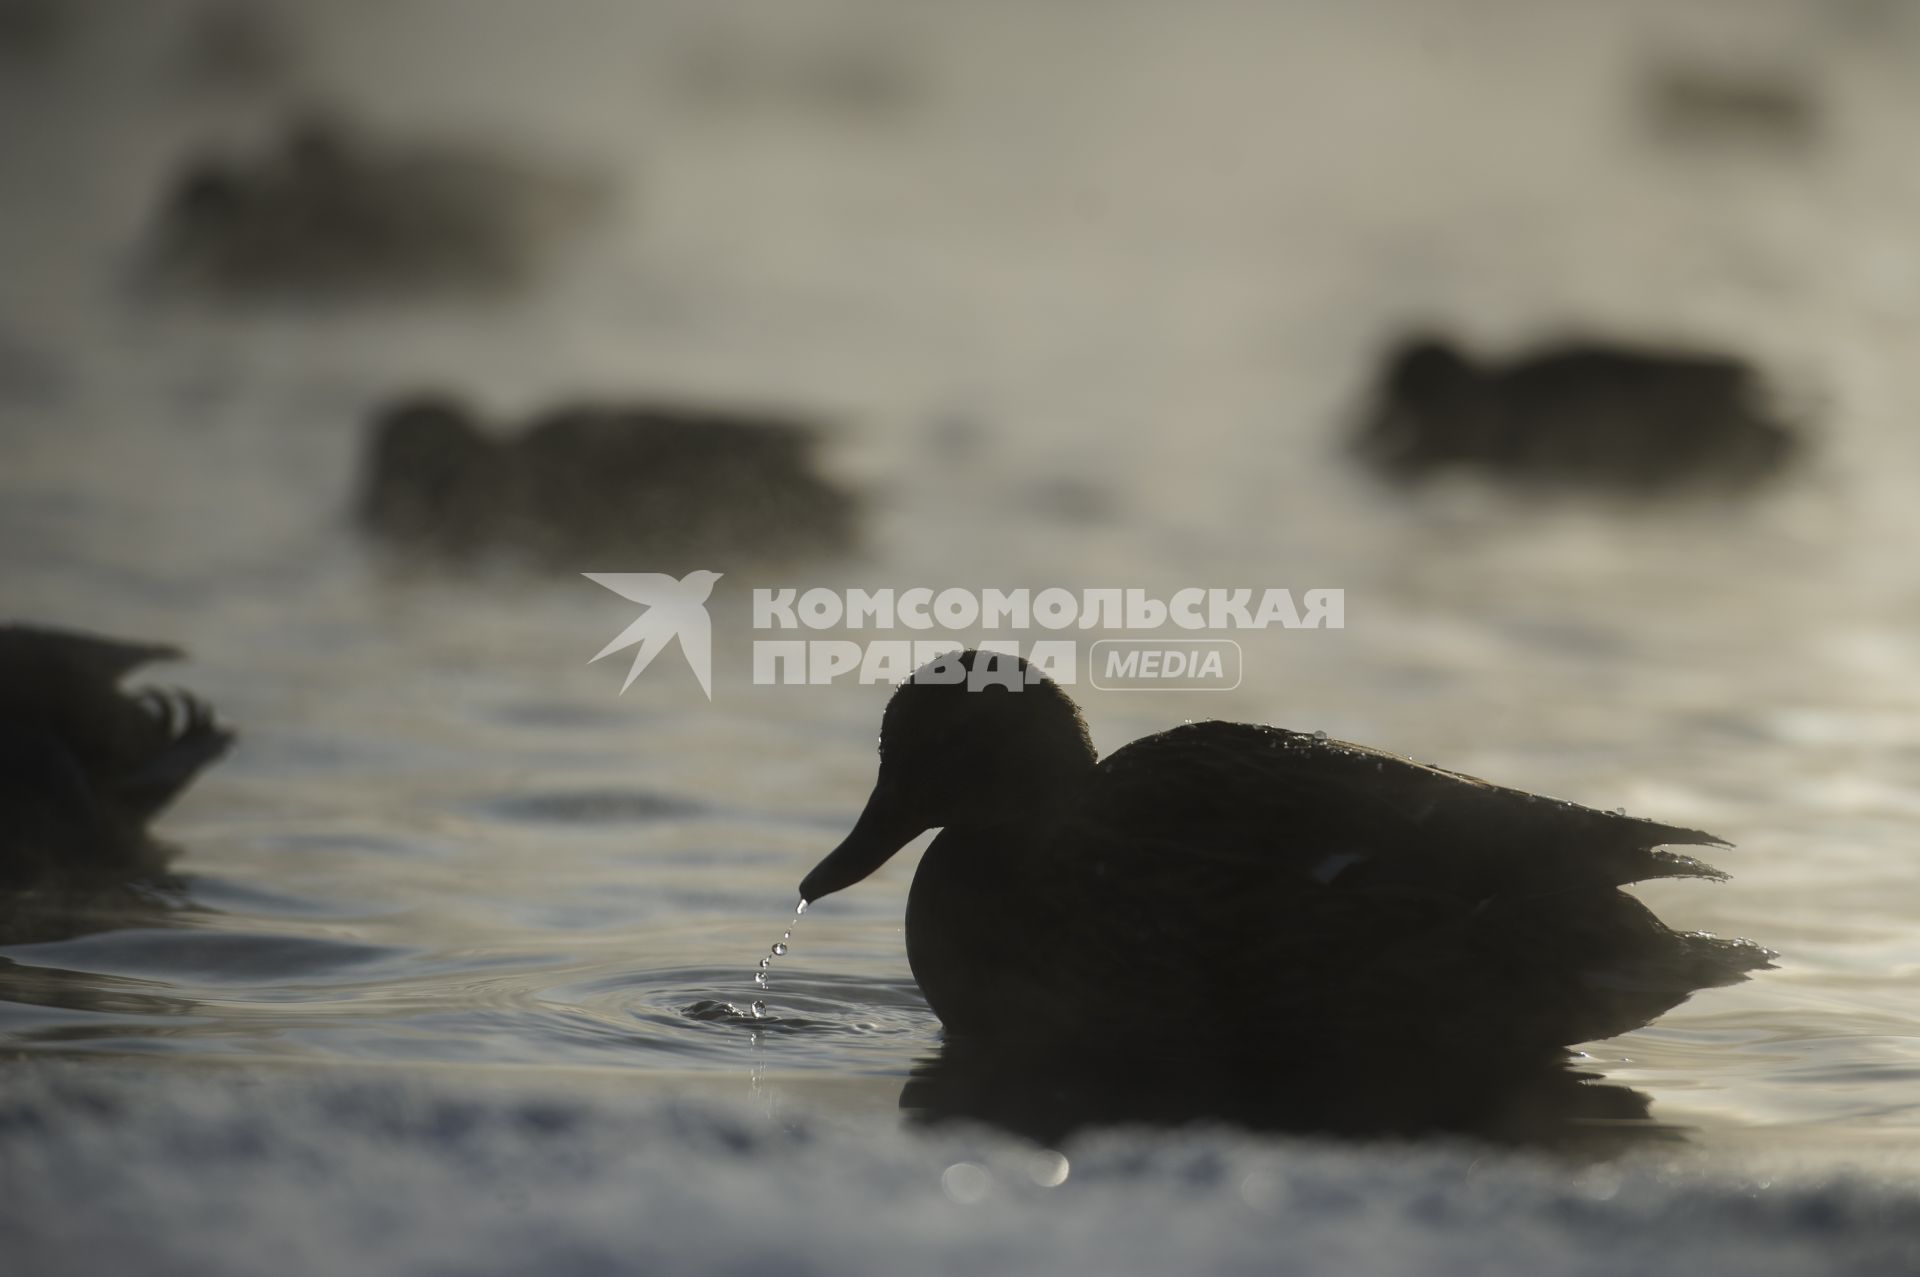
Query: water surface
{"x": 1092, "y": 302}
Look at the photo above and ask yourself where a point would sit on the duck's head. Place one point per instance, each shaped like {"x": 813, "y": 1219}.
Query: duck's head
{"x": 1430, "y": 408}
{"x": 959, "y": 746}
{"x": 209, "y": 198}
{"x": 425, "y": 437}
{"x": 423, "y": 453}
{"x": 1425, "y": 367}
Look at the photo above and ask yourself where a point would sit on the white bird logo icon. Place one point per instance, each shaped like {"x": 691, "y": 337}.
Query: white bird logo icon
{"x": 674, "y": 609}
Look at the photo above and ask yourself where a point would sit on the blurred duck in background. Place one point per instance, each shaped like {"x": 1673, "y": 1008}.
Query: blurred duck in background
{"x": 30, "y": 30}
{"x": 327, "y": 211}
{"x": 1698, "y": 104}
{"x": 85, "y": 766}
{"x": 586, "y": 481}
{"x": 1628, "y": 419}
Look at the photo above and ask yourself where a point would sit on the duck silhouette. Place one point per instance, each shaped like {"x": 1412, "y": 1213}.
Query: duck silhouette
{"x": 1624, "y": 418}
{"x": 323, "y": 210}
{"x": 655, "y": 479}
{"x": 1702, "y": 105}
{"x": 84, "y": 766}
{"x": 1231, "y": 891}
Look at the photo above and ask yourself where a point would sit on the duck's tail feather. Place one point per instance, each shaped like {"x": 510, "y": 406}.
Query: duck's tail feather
{"x": 1638, "y": 983}
{"x": 1689, "y": 960}
{"x": 1666, "y": 864}
{"x": 1598, "y": 964}
{"x": 192, "y": 740}
{"x": 1654, "y": 834}
{"x": 1635, "y": 857}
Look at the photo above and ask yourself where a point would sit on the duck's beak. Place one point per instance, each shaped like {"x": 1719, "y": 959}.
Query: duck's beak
{"x": 884, "y": 827}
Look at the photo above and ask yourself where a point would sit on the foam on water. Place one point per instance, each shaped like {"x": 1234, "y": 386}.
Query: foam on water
{"x": 402, "y": 1175}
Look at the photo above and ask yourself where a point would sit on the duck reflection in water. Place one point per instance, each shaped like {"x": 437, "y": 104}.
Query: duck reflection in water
{"x": 1223, "y": 901}
{"x": 1544, "y": 1103}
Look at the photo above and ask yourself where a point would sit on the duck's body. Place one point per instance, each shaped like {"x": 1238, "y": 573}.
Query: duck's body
{"x": 1702, "y": 105}
{"x": 1626, "y": 418}
{"x": 597, "y": 479}
{"x": 83, "y": 765}
{"x": 326, "y": 211}
{"x": 1225, "y": 889}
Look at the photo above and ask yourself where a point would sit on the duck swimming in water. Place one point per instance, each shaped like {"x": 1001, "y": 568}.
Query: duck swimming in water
{"x": 324, "y": 211}
{"x": 83, "y": 765}
{"x": 587, "y": 480}
{"x": 1588, "y": 414}
{"x": 1229, "y": 890}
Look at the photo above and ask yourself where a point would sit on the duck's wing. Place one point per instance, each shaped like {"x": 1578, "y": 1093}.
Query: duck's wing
{"x": 1327, "y": 811}
{"x": 1372, "y": 899}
